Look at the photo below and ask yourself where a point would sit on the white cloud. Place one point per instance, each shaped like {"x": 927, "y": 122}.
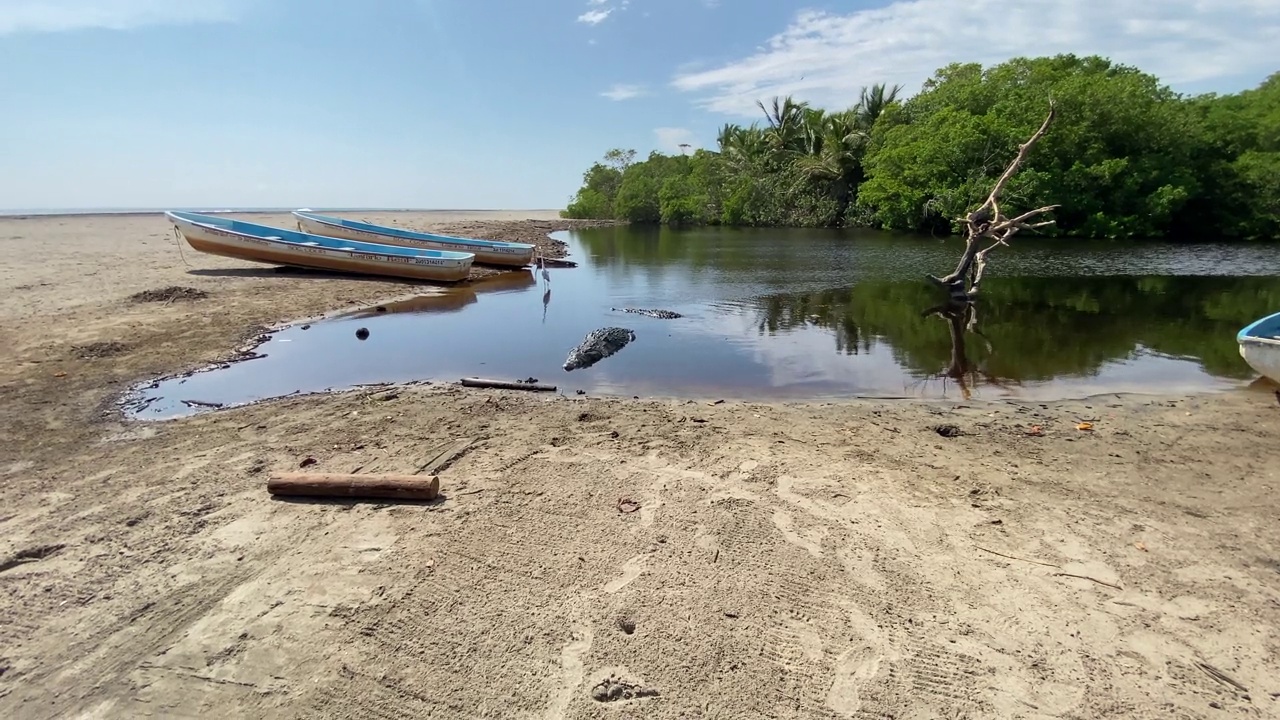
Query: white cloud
{"x": 670, "y": 139}
{"x": 63, "y": 15}
{"x": 623, "y": 92}
{"x": 594, "y": 17}
{"x": 601, "y": 11}
{"x": 827, "y": 58}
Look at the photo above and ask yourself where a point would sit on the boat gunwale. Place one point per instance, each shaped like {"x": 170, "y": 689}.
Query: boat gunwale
{"x": 1246, "y": 333}
{"x": 1260, "y": 341}
{"x": 454, "y": 257}
{"x": 499, "y": 246}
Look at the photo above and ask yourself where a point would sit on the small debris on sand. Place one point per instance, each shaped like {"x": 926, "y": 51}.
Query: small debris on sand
{"x": 169, "y": 294}
{"x": 613, "y": 689}
{"x": 96, "y": 350}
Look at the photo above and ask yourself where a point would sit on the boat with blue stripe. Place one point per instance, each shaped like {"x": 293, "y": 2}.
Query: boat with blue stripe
{"x": 1260, "y": 346}
{"x": 229, "y": 237}
{"x": 488, "y": 252}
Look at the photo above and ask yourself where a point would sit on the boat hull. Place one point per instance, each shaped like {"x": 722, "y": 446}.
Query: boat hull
{"x": 518, "y": 256}
{"x": 1260, "y": 346}
{"x": 1263, "y": 357}
{"x": 216, "y": 241}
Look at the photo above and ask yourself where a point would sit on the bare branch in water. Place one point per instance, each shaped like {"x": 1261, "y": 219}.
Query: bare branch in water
{"x": 987, "y": 223}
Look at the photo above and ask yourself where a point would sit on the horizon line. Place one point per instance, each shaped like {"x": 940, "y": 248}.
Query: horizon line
{"x": 48, "y": 212}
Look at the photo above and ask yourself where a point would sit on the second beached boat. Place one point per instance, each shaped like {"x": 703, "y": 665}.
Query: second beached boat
{"x": 228, "y": 237}
{"x": 1260, "y": 346}
{"x": 489, "y": 252}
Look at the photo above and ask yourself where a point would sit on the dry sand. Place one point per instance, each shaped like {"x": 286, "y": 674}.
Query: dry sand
{"x": 783, "y": 560}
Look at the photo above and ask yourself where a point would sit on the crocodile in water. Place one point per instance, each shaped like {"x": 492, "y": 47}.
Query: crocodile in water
{"x": 598, "y": 345}
{"x": 663, "y": 314}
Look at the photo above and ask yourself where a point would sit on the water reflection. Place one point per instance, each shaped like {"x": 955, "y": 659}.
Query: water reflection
{"x": 453, "y": 299}
{"x": 962, "y": 320}
{"x": 835, "y": 258}
{"x": 798, "y": 314}
{"x": 1038, "y": 328}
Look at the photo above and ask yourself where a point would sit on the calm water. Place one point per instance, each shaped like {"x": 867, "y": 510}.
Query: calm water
{"x": 797, "y": 314}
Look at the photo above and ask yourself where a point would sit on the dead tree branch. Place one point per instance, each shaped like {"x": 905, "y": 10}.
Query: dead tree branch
{"x": 986, "y": 228}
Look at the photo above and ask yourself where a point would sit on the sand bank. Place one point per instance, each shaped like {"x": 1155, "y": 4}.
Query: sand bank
{"x": 733, "y": 560}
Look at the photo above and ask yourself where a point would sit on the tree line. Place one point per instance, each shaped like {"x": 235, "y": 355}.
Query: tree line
{"x": 1126, "y": 157}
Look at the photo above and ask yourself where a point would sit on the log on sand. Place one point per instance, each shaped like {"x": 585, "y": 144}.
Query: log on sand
{"x": 506, "y": 384}
{"x": 399, "y": 487}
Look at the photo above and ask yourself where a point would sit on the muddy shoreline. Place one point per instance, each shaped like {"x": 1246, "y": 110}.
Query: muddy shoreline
{"x": 733, "y": 559}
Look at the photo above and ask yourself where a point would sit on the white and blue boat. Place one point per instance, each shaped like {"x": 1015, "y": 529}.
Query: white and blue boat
{"x": 218, "y": 235}
{"x": 1260, "y": 346}
{"x": 488, "y": 252}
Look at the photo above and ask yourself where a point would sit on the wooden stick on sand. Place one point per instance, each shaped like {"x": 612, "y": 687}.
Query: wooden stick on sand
{"x": 399, "y": 487}
{"x": 506, "y": 384}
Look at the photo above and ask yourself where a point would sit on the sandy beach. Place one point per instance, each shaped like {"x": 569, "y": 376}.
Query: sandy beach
{"x": 594, "y": 557}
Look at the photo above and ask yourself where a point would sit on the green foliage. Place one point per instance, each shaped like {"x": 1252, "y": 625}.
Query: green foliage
{"x": 1116, "y": 159}
{"x": 1126, "y": 157}
{"x": 1239, "y": 155}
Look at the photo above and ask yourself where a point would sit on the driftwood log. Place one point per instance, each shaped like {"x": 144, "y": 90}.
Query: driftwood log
{"x": 987, "y": 227}
{"x": 399, "y": 487}
{"x": 506, "y": 384}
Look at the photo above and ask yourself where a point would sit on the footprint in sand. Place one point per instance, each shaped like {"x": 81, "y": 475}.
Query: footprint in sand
{"x": 857, "y": 666}
{"x": 572, "y": 671}
{"x": 786, "y": 525}
{"x": 652, "y": 501}
{"x": 631, "y": 570}
{"x": 743, "y": 473}
{"x": 854, "y": 669}
{"x": 705, "y": 539}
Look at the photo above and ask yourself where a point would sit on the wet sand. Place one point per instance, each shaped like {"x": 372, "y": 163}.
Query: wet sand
{"x": 720, "y": 560}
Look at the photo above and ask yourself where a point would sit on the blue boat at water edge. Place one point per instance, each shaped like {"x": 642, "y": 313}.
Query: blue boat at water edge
{"x": 228, "y": 237}
{"x": 489, "y": 252}
{"x": 1260, "y": 346}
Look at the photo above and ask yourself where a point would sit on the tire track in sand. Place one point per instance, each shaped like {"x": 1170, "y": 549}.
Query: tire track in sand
{"x": 843, "y": 583}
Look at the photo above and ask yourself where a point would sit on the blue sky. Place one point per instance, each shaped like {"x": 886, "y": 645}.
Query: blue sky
{"x": 495, "y": 103}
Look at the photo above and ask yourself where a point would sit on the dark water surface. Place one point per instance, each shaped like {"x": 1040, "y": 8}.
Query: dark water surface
{"x": 797, "y": 314}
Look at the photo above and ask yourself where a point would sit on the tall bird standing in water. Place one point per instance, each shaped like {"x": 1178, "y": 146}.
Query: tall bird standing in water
{"x": 543, "y": 267}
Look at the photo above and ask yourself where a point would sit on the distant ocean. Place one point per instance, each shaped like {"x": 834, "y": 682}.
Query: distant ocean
{"x": 156, "y": 211}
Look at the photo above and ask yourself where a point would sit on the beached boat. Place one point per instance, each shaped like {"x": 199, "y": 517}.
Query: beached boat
{"x": 489, "y": 252}
{"x": 224, "y": 236}
{"x": 1260, "y": 346}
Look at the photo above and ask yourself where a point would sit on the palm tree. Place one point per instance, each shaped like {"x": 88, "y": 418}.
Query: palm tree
{"x": 872, "y": 103}
{"x": 823, "y": 148}
{"x": 786, "y": 123}
{"x": 742, "y": 145}
{"x": 839, "y": 139}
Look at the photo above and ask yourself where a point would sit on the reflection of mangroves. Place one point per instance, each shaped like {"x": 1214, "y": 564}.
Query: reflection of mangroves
{"x": 1040, "y": 328}
{"x": 654, "y": 247}
{"x": 452, "y": 299}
